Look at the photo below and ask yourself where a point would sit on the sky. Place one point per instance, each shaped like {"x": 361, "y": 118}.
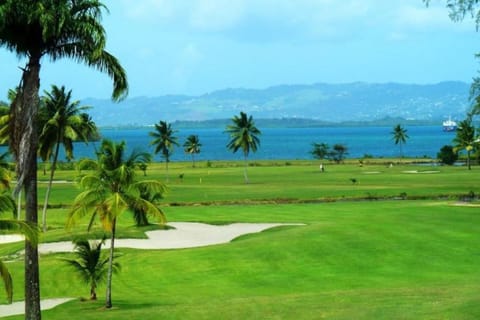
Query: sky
{"x": 194, "y": 47}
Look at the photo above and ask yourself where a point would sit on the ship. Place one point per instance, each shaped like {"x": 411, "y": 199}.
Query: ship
{"x": 449, "y": 125}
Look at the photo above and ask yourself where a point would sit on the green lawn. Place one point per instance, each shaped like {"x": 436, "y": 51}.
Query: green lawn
{"x": 363, "y": 259}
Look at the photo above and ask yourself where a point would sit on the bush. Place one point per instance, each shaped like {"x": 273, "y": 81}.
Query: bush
{"x": 447, "y": 155}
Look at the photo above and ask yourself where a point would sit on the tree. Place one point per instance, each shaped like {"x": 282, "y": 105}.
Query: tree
{"x": 112, "y": 189}
{"x": 192, "y": 146}
{"x": 140, "y": 214}
{"x": 447, "y": 155}
{"x": 399, "y": 136}
{"x": 90, "y": 265}
{"x": 164, "y": 141}
{"x": 243, "y": 135}
{"x": 320, "y": 150}
{"x": 338, "y": 153}
{"x": 7, "y": 204}
{"x": 34, "y": 30}
{"x": 63, "y": 123}
{"x": 465, "y": 138}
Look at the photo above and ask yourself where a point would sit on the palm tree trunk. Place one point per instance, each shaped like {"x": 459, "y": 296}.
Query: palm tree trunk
{"x": 193, "y": 160}
{"x": 245, "y": 175}
{"x": 19, "y": 204}
{"x": 468, "y": 160}
{"x": 108, "y": 299}
{"x": 166, "y": 167}
{"x": 24, "y": 140}
{"x": 47, "y": 193}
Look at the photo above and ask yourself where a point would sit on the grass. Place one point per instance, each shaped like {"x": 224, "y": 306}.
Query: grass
{"x": 351, "y": 260}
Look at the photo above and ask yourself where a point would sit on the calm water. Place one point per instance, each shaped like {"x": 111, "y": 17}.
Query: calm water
{"x": 290, "y": 143}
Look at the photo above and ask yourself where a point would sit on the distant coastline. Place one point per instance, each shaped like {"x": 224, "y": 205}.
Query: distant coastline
{"x": 290, "y": 123}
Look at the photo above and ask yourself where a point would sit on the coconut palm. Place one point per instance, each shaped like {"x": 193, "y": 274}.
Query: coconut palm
{"x": 192, "y": 146}
{"x": 112, "y": 189}
{"x": 243, "y": 135}
{"x": 54, "y": 29}
{"x": 63, "y": 123}
{"x": 140, "y": 214}
{"x": 90, "y": 265}
{"x": 164, "y": 141}
{"x": 399, "y": 136}
{"x": 7, "y": 204}
{"x": 465, "y": 138}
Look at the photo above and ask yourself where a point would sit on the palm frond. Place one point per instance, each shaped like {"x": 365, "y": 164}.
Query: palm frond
{"x": 7, "y": 281}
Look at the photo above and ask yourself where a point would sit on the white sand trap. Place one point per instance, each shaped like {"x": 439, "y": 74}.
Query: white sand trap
{"x": 372, "y": 172}
{"x": 19, "y": 307}
{"x": 420, "y": 172}
{"x": 8, "y": 238}
{"x": 185, "y": 235}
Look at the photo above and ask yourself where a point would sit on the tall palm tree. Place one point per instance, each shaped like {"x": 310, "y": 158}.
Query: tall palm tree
{"x": 465, "y": 138}
{"x": 90, "y": 265}
{"x": 54, "y": 29}
{"x": 164, "y": 141}
{"x": 112, "y": 189}
{"x": 399, "y": 136}
{"x": 244, "y": 135}
{"x": 64, "y": 123}
{"x": 192, "y": 145}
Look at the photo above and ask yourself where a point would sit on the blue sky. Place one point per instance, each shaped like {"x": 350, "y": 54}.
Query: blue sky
{"x": 198, "y": 46}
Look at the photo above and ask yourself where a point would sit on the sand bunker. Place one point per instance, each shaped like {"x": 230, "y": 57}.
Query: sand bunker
{"x": 185, "y": 235}
{"x": 19, "y": 307}
{"x": 416, "y": 171}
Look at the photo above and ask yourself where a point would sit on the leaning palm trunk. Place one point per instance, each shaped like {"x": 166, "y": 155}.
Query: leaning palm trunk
{"x": 108, "y": 298}
{"x": 24, "y": 142}
{"x": 50, "y": 181}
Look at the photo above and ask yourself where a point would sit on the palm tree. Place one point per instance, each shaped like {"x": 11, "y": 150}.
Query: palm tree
{"x": 90, "y": 265}
{"x": 112, "y": 189}
{"x": 140, "y": 214}
{"x": 54, "y": 29}
{"x": 244, "y": 135}
{"x": 63, "y": 123}
{"x": 465, "y": 138}
{"x": 399, "y": 136}
{"x": 164, "y": 141}
{"x": 7, "y": 204}
{"x": 192, "y": 145}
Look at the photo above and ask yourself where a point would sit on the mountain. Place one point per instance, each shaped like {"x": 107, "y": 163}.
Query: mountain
{"x": 357, "y": 101}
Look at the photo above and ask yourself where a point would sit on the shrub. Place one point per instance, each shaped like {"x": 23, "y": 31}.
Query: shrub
{"x": 447, "y": 155}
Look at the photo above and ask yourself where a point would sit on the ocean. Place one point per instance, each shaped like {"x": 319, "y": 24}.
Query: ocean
{"x": 288, "y": 143}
